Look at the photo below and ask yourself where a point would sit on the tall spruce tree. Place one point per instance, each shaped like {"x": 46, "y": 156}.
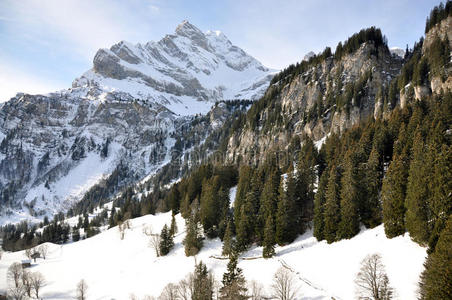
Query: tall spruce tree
{"x": 393, "y": 196}
{"x": 394, "y": 188}
{"x": 228, "y": 240}
{"x": 305, "y": 182}
{"x": 441, "y": 187}
{"x": 286, "y": 215}
{"x": 173, "y": 227}
{"x": 243, "y": 187}
{"x": 234, "y": 283}
{"x": 373, "y": 171}
{"x": 225, "y": 212}
{"x": 269, "y": 238}
{"x": 193, "y": 240}
{"x": 319, "y": 206}
{"x": 210, "y": 208}
{"x": 166, "y": 240}
{"x": 349, "y": 198}
{"x": 245, "y": 228}
{"x": 332, "y": 208}
{"x": 417, "y": 210}
{"x": 269, "y": 196}
{"x": 436, "y": 280}
{"x": 203, "y": 283}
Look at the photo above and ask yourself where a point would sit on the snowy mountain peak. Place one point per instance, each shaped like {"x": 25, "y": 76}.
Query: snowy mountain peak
{"x": 397, "y": 51}
{"x": 186, "y": 72}
{"x": 188, "y": 30}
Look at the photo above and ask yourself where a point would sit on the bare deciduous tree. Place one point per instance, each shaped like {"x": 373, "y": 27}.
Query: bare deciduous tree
{"x": 127, "y": 224}
{"x": 284, "y": 286}
{"x": 37, "y": 282}
{"x": 372, "y": 281}
{"x": 14, "y": 274}
{"x": 121, "y": 230}
{"x": 185, "y": 287}
{"x": 17, "y": 293}
{"x": 154, "y": 242}
{"x": 43, "y": 250}
{"x": 256, "y": 290}
{"x": 26, "y": 282}
{"x": 170, "y": 292}
{"x": 147, "y": 230}
{"x": 28, "y": 253}
{"x": 132, "y": 296}
{"x": 81, "y": 290}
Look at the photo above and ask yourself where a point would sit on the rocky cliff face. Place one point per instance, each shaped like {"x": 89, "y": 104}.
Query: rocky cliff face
{"x": 443, "y": 31}
{"x": 364, "y": 72}
{"x": 127, "y": 113}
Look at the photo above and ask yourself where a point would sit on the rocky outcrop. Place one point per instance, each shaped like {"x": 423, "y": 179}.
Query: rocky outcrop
{"x": 438, "y": 84}
{"x": 442, "y": 30}
{"x": 368, "y": 69}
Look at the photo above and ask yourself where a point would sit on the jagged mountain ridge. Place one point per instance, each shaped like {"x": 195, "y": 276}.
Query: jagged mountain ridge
{"x": 123, "y": 116}
{"x": 178, "y": 71}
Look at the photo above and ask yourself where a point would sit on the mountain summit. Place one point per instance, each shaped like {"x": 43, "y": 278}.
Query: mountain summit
{"x": 179, "y": 71}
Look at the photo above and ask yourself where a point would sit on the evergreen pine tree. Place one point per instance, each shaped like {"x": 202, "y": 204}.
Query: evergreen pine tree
{"x": 75, "y": 234}
{"x": 305, "y": 182}
{"x": 174, "y": 199}
{"x": 349, "y": 194}
{"x": 286, "y": 221}
{"x": 193, "y": 240}
{"x": 234, "y": 283}
{"x": 225, "y": 212}
{"x": 393, "y": 191}
{"x": 243, "y": 187}
{"x": 269, "y": 238}
{"x": 228, "y": 242}
{"x": 319, "y": 205}
{"x": 373, "y": 171}
{"x": 436, "y": 280}
{"x": 166, "y": 241}
{"x": 440, "y": 200}
{"x": 202, "y": 283}
{"x": 417, "y": 193}
{"x": 332, "y": 210}
{"x": 393, "y": 196}
{"x": 245, "y": 228}
{"x": 173, "y": 227}
{"x": 269, "y": 196}
{"x": 210, "y": 207}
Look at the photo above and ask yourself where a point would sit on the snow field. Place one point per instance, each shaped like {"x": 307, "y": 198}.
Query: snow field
{"x": 115, "y": 268}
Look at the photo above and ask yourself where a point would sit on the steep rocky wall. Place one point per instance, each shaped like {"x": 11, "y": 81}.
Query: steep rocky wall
{"x": 300, "y": 95}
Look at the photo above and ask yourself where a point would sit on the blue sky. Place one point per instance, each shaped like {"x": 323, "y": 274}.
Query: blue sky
{"x": 45, "y": 44}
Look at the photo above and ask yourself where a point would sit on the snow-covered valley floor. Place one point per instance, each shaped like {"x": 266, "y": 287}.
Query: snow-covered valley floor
{"x": 116, "y": 269}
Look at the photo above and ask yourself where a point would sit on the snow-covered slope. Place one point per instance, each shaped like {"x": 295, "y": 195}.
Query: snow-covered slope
{"x": 397, "y": 51}
{"x": 125, "y": 113}
{"x": 118, "y": 268}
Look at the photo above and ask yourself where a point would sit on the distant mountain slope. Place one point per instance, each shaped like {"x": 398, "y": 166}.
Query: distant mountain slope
{"x": 122, "y": 117}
